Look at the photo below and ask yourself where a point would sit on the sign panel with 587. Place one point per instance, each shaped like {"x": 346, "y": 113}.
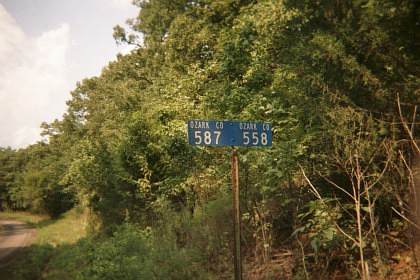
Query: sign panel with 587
{"x": 229, "y": 133}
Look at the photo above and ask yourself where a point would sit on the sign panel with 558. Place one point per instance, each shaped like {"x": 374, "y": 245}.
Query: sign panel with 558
{"x": 229, "y": 133}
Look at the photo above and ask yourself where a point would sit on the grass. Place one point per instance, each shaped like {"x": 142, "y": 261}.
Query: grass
{"x": 130, "y": 253}
{"x": 52, "y": 239}
{"x": 67, "y": 229}
{"x": 25, "y": 217}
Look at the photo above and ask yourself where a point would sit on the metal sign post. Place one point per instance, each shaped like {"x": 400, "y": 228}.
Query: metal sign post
{"x": 236, "y": 215}
{"x": 231, "y": 133}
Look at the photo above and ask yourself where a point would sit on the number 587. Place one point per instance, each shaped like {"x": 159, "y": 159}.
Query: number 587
{"x": 206, "y": 137}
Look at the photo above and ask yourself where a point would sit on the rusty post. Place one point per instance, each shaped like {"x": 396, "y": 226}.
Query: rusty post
{"x": 236, "y": 215}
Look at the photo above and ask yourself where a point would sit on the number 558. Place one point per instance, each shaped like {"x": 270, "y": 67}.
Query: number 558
{"x": 255, "y": 137}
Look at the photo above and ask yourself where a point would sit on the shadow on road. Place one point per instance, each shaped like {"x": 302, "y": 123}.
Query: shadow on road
{"x": 11, "y": 228}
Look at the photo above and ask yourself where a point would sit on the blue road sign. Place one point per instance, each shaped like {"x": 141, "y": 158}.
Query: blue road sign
{"x": 229, "y": 133}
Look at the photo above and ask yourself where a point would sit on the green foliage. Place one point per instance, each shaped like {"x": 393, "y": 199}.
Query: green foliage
{"x": 134, "y": 254}
{"x": 129, "y": 253}
{"x": 34, "y": 264}
{"x": 8, "y": 168}
{"x": 319, "y": 223}
{"x": 325, "y": 73}
{"x": 33, "y": 180}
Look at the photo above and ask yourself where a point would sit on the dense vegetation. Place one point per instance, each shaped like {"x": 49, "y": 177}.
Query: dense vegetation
{"x": 339, "y": 80}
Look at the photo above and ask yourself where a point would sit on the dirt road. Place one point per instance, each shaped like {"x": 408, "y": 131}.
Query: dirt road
{"x": 14, "y": 236}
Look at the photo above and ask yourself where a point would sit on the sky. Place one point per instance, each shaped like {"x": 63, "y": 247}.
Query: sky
{"x": 46, "y": 47}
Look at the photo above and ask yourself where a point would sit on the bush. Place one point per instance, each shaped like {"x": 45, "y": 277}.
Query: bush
{"x": 140, "y": 254}
{"x": 32, "y": 264}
